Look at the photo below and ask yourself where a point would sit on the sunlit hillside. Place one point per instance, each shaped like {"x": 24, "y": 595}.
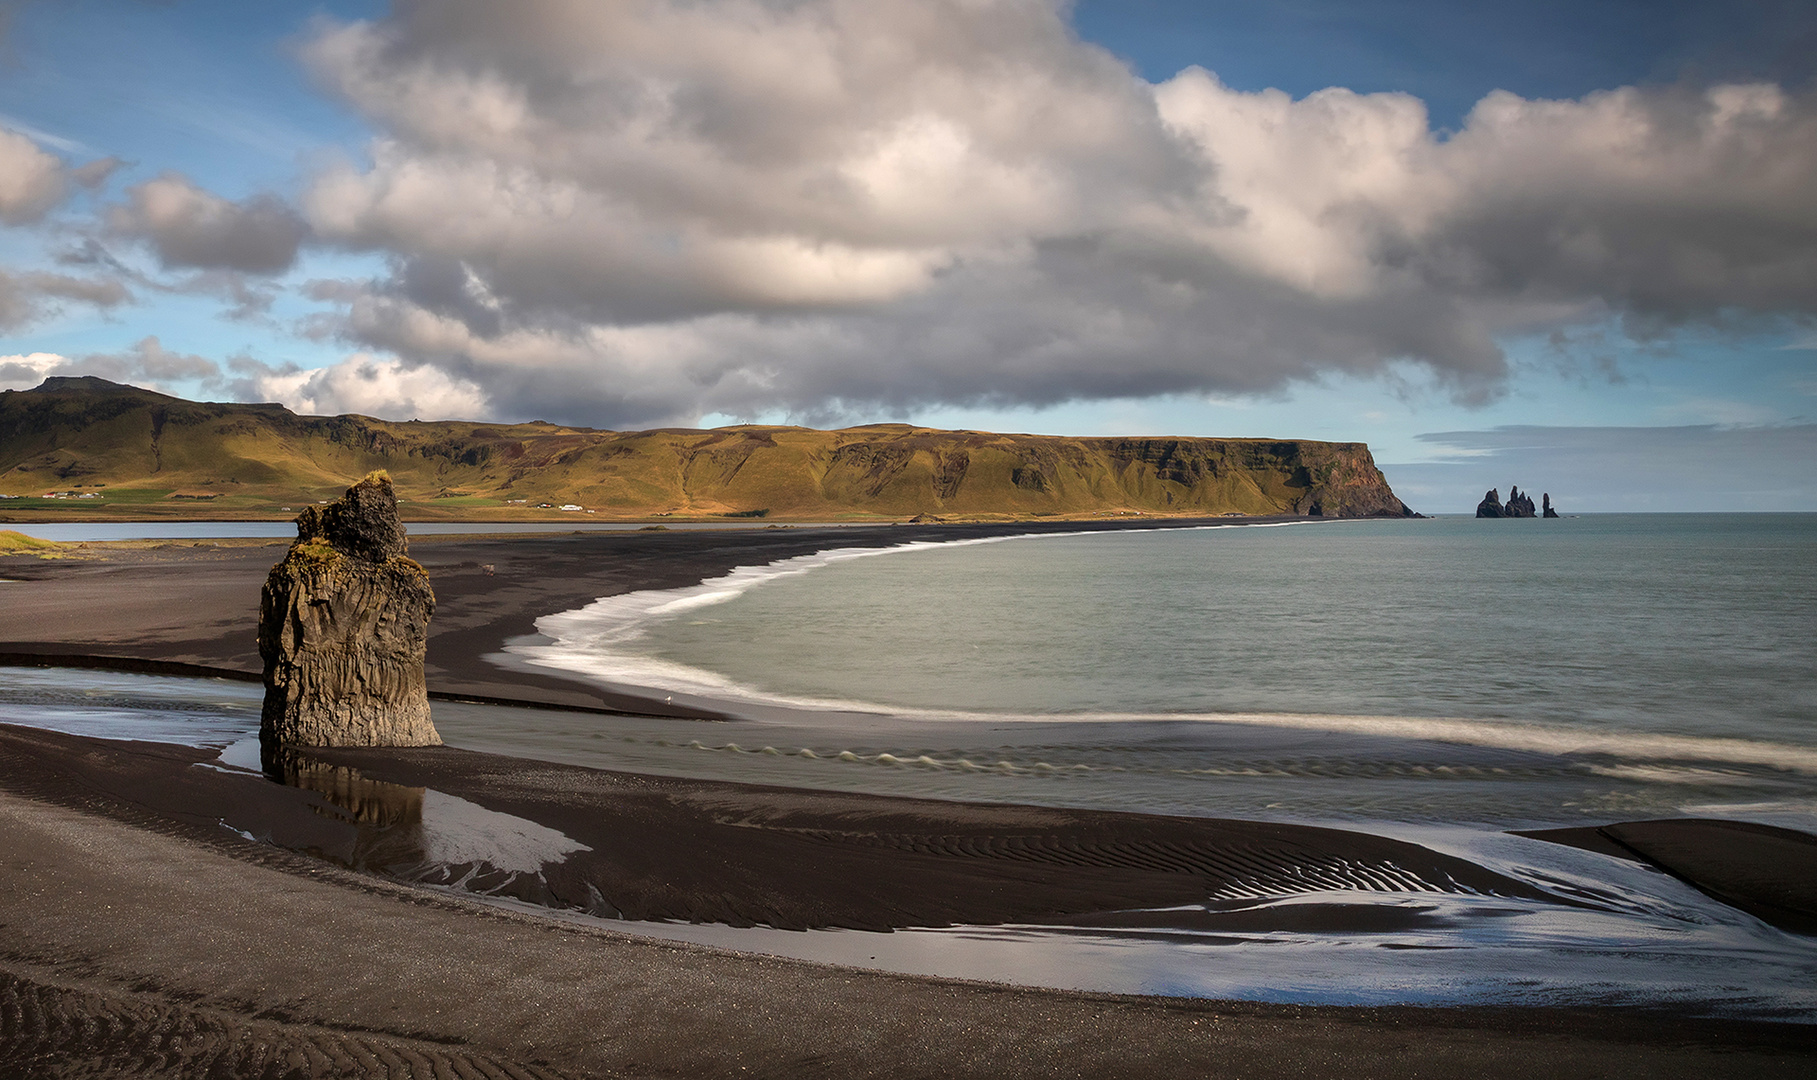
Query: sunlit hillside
{"x": 85, "y": 448}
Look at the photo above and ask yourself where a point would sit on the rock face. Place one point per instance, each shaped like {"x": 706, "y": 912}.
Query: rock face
{"x": 1546, "y": 502}
{"x": 1518, "y": 505}
{"x": 343, "y": 624}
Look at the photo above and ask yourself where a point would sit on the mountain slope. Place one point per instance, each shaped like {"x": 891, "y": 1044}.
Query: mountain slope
{"x": 137, "y": 452}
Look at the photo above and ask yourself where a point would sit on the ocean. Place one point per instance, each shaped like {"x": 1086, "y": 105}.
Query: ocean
{"x": 1511, "y": 673}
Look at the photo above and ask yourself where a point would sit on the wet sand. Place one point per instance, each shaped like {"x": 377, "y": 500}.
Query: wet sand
{"x": 138, "y": 932}
{"x": 644, "y": 847}
{"x": 139, "y": 935}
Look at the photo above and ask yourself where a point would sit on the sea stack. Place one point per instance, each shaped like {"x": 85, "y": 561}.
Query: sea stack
{"x": 343, "y": 625}
{"x": 1518, "y": 505}
{"x": 1545, "y": 499}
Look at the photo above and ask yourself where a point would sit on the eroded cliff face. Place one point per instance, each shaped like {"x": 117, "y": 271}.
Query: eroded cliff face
{"x": 343, "y": 625}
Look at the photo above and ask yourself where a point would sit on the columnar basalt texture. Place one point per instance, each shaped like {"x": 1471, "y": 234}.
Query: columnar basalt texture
{"x": 343, "y": 624}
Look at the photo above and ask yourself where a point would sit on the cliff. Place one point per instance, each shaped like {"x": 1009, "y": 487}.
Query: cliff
{"x": 343, "y": 626}
{"x": 133, "y": 452}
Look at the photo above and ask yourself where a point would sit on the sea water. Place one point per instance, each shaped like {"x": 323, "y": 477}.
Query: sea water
{"x": 1497, "y": 672}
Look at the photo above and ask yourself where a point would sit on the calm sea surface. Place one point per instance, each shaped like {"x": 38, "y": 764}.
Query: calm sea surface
{"x": 1500, "y": 672}
{"x": 1699, "y": 625}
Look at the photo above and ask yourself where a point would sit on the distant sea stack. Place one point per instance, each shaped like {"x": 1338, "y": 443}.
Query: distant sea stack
{"x": 343, "y": 625}
{"x": 1518, "y": 505}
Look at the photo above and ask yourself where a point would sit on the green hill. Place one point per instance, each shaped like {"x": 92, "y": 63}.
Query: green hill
{"x": 102, "y": 450}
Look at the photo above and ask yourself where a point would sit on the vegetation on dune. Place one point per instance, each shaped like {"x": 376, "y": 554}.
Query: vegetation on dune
{"x": 17, "y": 543}
{"x": 97, "y": 448}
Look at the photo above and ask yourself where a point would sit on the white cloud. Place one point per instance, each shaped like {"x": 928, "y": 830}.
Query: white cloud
{"x": 32, "y": 182}
{"x": 634, "y": 213}
{"x": 362, "y": 384}
{"x": 22, "y": 372}
{"x": 146, "y": 363}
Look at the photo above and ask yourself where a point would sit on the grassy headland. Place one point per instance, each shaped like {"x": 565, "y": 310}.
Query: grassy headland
{"x": 85, "y": 449}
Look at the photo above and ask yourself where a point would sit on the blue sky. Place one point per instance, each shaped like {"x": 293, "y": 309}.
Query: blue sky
{"x": 1533, "y": 242}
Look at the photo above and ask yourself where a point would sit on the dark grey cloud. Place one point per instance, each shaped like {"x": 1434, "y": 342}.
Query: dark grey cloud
{"x": 632, "y": 214}
{"x": 189, "y": 227}
{"x": 1615, "y": 469}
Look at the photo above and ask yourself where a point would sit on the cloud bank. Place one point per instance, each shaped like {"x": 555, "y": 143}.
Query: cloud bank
{"x": 637, "y": 213}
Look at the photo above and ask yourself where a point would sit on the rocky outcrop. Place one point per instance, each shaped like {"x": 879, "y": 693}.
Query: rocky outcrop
{"x": 1517, "y": 506}
{"x": 343, "y": 625}
{"x": 1546, "y": 503}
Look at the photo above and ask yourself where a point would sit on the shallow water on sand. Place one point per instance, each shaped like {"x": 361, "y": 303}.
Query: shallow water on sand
{"x": 1644, "y": 938}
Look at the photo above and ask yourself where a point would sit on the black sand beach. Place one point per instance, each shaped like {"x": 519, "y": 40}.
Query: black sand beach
{"x": 139, "y": 934}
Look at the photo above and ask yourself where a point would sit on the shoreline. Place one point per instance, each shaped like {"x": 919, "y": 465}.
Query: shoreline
{"x": 489, "y": 590}
{"x": 851, "y": 1020}
{"x": 1109, "y": 861}
{"x": 248, "y": 948}
{"x": 449, "y": 984}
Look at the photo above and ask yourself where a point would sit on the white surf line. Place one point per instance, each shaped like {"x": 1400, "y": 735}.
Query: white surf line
{"x": 1504, "y": 735}
{"x": 1500, "y": 735}
{"x": 585, "y": 640}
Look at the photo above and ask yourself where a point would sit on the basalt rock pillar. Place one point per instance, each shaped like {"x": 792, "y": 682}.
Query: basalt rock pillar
{"x": 343, "y": 624}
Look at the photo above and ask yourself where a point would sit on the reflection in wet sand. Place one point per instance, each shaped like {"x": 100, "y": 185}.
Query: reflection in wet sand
{"x": 366, "y": 802}
{"x": 422, "y": 835}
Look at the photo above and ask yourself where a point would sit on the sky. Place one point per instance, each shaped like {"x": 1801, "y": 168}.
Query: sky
{"x": 1565, "y": 245}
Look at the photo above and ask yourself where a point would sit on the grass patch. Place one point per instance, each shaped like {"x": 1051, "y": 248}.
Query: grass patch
{"x": 466, "y": 500}
{"x": 17, "y": 543}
